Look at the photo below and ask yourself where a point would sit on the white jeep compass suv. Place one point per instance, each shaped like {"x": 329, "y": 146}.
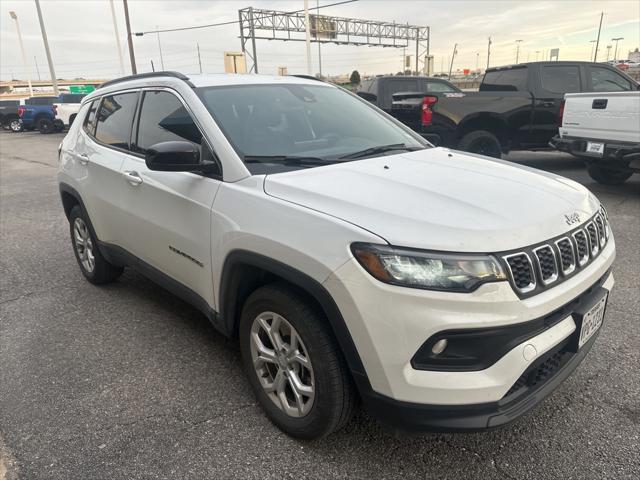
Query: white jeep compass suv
{"x": 351, "y": 259}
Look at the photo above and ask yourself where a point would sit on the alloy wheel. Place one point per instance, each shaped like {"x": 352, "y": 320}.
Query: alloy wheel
{"x": 15, "y": 125}
{"x": 83, "y": 245}
{"x": 282, "y": 364}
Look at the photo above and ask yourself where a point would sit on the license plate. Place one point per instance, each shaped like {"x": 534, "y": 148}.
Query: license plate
{"x": 592, "y": 321}
{"x": 597, "y": 148}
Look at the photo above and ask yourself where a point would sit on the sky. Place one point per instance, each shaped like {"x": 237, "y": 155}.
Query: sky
{"x": 83, "y": 41}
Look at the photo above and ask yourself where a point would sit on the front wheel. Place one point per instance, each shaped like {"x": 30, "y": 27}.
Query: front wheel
{"x": 482, "y": 143}
{"x": 294, "y": 364}
{"x": 608, "y": 175}
{"x": 15, "y": 125}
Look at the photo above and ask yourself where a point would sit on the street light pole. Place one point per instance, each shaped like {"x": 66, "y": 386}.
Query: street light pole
{"x": 517, "y": 50}
{"x": 199, "y": 59}
{"x": 24, "y": 55}
{"x": 488, "y": 52}
{"x": 591, "y": 42}
{"x": 115, "y": 29}
{"x": 54, "y": 79}
{"x": 608, "y": 52}
{"x": 615, "y": 53}
{"x": 132, "y": 56}
{"x": 308, "y": 35}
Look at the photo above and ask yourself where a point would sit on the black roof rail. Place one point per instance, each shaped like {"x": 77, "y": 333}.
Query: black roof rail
{"x": 307, "y": 77}
{"x": 178, "y": 75}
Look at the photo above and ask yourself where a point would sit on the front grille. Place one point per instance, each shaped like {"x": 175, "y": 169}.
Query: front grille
{"x": 540, "y": 373}
{"x": 521, "y": 271}
{"x": 546, "y": 260}
{"x": 537, "y": 267}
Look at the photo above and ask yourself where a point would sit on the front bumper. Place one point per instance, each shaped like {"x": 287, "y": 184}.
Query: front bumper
{"x": 535, "y": 384}
{"x": 389, "y": 324}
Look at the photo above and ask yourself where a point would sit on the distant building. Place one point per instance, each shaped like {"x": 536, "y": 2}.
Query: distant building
{"x": 634, "y": 56}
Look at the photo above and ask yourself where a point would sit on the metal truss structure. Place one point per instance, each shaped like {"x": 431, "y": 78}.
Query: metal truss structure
{"x": 286, "y": 26}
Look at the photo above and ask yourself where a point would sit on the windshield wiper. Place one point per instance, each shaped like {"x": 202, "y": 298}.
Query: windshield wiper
{"x": 287, "y": 159}
{"x": 380, "y": 149}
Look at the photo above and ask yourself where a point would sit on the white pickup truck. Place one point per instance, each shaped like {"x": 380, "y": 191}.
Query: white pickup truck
{"x": 604, "y": 130}
{"x": 65, "y": 113}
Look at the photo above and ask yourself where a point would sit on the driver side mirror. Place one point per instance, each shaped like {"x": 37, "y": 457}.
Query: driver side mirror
{"x": 177, "y": 156}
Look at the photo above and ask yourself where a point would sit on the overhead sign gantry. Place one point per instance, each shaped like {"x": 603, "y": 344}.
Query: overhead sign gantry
{"x": 259, "y": 24}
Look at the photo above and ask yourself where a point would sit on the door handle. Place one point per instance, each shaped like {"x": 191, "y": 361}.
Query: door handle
{"x": 547, "y": 104}
{"x": 132, "y": 177}
{"x": 81, "y": 157}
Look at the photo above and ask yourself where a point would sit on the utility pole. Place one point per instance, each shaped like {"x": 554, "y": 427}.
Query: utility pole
{"x": 132, "y": 56}
{"x": 595, "y": 56}
{"x": 452, "y": 58}
{"x": 160, "y": 48}
{"x": 115, "y": 29}
{"x": 488, "y": 52}
{"x": 517, "y": 50}
{"x": 153, "y": 69}
{"x": 417, "y": 50}
{"x": 54, "y": 79}
{"x": 35, "y": 60}
{"x": 615, "y": 53}
{"x": 199, "y": 59}
{"x": 308, "y": 34}
{"x": 13, "y": 15}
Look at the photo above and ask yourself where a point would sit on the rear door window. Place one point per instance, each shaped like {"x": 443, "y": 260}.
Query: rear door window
{"x": 605, "y": 80}
{"x": 438, "y": 87}
{"x": 114, "y": 119}
{"x": 561, "y": 78}
{"x": 508, "y": 80}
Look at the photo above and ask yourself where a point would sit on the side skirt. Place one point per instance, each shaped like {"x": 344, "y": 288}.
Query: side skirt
{"x": 119, "y": 256}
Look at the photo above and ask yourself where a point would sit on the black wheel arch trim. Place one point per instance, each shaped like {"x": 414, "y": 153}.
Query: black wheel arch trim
{"x": 228, "y": 302}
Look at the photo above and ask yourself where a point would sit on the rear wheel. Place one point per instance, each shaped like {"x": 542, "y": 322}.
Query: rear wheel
{"x": 93, "y": 265}
{"x": 608, "y": 175}
{"x": 482, "y": 143}
{"x": 45, "y": 125}
{"x": 294, "y": 364}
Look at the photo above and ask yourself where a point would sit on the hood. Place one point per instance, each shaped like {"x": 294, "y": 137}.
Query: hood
{"x": 440, "y": 199}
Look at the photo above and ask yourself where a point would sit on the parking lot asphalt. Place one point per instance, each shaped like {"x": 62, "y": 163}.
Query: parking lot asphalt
{"x": 129, "y": 382}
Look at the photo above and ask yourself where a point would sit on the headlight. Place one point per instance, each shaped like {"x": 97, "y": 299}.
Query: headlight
{"x": 428, "y": 270}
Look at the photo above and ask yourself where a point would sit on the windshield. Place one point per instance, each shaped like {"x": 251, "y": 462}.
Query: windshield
{"x": 283, "y": 127}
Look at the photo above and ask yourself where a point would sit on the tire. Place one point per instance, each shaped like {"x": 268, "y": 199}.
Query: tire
{"x": 482, "y": 143}
{"x": 15, "y": 125}
{"x": 333, "y": 398}
{"x": 45, "y": 125}
{"x": 608, "y": 175}
{"x": 85, "y": 247}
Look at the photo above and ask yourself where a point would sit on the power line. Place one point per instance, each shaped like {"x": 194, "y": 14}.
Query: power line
{"x": 230, "y": 22}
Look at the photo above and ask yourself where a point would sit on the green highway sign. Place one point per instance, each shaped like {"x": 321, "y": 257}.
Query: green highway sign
{"x": 81, "y": 88}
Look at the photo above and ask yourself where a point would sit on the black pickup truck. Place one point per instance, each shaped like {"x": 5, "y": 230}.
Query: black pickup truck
{"x": 9, "y": 118}
{"x": 517, "y": 107}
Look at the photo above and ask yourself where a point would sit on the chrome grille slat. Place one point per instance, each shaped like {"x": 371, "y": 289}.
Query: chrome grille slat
{"x": 546, "y": 263}
{"x": 582, "y": 246}
{"x": 592, "y": 234}
{"x": 567, "y": 260}
{"x": 521, "y": 270}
